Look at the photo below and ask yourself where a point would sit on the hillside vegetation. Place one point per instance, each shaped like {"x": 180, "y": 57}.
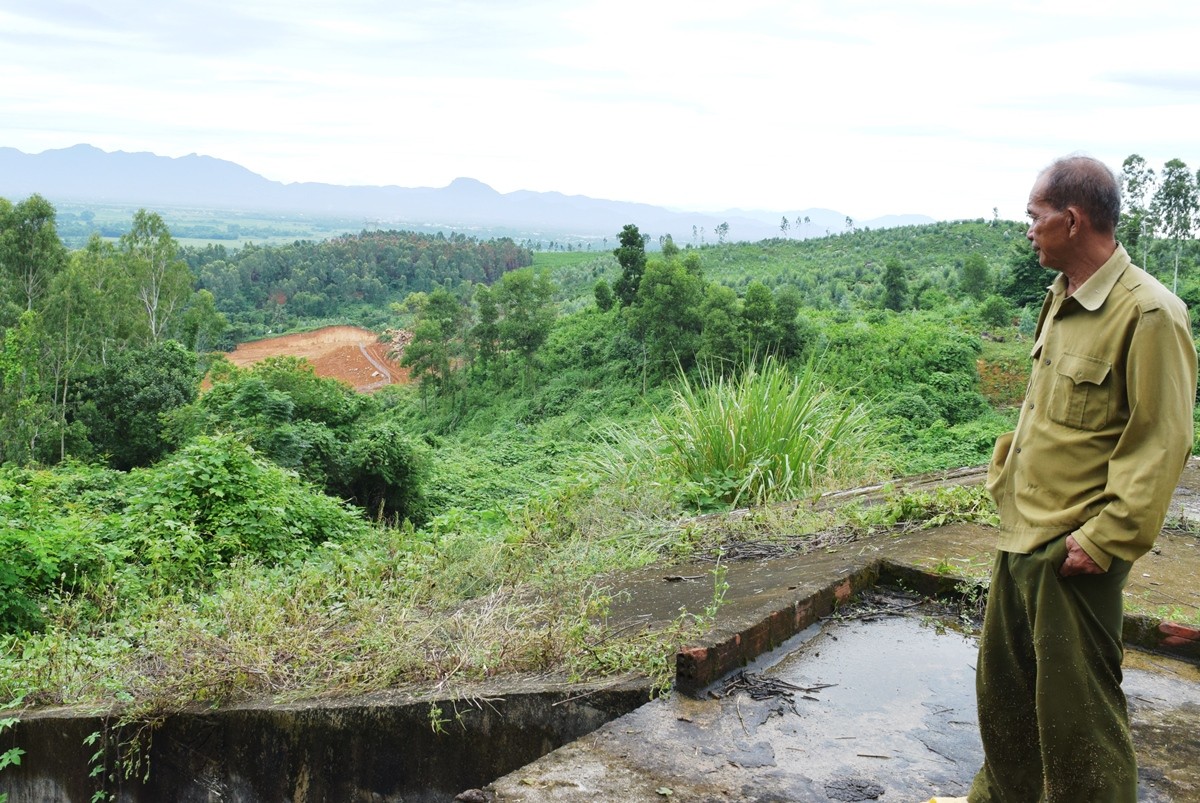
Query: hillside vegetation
{"x": 570, "y": 413}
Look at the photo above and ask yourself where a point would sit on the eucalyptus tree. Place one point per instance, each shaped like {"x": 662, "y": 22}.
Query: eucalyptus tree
{"x": 25, "y": 414}
{"x": 31, "y": 252}
{"x": 1175, "y": 206}
{"x": 722, "y": 336}
{"x": 976, "y": 276}
{"x": 895, "y": 285}
{"x": 162, "y": 279}
{"x": 1137, "y": 182}
{"x": 758, "y": 316}
{"x": 437, "y": 341}
{"x": 90, "y": 314}
{"x": 666, "y": 316}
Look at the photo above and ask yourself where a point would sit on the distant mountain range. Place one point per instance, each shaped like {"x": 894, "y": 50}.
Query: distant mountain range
{"x": 85, "y": 174}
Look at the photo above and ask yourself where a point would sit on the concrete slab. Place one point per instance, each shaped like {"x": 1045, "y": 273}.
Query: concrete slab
{"x": 899, "y": 722}
{"x": 871, "y": 710}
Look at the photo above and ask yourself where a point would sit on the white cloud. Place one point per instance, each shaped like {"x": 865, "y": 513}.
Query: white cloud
{"x": 941, "y": 107}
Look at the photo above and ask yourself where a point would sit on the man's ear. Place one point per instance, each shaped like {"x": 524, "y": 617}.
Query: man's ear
{"x": 1075, "y": 218}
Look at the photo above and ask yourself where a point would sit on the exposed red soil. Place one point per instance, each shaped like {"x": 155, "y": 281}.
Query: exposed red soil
{"x": 353, "y": 355}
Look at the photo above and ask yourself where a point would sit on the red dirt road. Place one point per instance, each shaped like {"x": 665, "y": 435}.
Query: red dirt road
{"x": 353, "y": 355}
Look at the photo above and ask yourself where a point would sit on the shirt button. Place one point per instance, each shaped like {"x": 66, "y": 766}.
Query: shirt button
{"x": 1018, "y": 450}
{"x": 1047, "y": 361}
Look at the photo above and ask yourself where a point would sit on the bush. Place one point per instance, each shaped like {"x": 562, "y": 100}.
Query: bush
{"x": 996, "y": 311}
{"x": 913, "y": 408}
{"x": 48, "y": 540}
{"x": 384, "y": 471}
{"x": 122, "y": 403}
{"x": 216, "y": 501}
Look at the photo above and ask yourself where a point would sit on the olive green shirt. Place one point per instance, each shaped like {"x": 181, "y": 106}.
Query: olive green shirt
{"x": 1106, "y": 425}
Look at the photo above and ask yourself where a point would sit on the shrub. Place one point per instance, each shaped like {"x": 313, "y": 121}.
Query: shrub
{"x": 913, "y": 408}
{"x": 49, "y": 522}
{"x": 216, "y": 501}
{"x": 996, "y": 311}
{"x": 384, "y": 472}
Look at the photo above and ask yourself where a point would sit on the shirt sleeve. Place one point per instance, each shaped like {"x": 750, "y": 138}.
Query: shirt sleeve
{"x": 1157, "y": 439}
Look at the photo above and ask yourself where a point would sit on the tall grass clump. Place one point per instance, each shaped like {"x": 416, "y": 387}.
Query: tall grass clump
{"x": 766, "y": 435}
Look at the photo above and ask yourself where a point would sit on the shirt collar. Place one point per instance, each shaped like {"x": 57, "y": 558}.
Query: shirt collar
{"x": 1092, "y": 293}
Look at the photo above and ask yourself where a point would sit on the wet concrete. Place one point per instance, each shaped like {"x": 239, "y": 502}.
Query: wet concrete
{"x": 880, "y": 709}
{"x": 375, "y": 748}
{"x": 899, "y": 722}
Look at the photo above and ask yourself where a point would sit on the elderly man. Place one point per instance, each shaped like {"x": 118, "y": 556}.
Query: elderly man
{"x": 1082, "y": 486}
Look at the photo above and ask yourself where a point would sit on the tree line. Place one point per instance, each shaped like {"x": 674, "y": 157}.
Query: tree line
{"x": 263, "y": 288}
{"x": 1165, "y": 202}
{"x": 73, "y": 323}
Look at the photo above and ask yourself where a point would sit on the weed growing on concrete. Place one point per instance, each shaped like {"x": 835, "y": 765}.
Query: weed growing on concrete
{"x": 906, "y": 510}
{"x": 11, "y": 756}
{"x": 437, "y": 719}
{"x": 972, "y": 600}
{"x": 601, "y": 651}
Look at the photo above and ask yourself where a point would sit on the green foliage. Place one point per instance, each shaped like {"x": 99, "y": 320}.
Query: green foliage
{"x": 162, "y": 280}
{"x": 895, "y": 286}
{"x": 976, "y": 276}
{"x": 331, "y": 435}
{"x": 12, "y": 756}
{"x": 79, "y": 530}
{"x": 631, "y": 255}
{"x": 50, "y": 525}
{"x": 321, "y": 400}
{"x": 941, "y": 446}
{"x": 121, "y": 404}
{"x": 847, "y": 271}
{"x": 437, "y": 341}
{"x": 1026, "y": 279}
{"x": 889, "y": 355}
{"x": 1175, "y": 206}
{"x": 767, "y": 435}
{"x": 384, "y": 471}
{"x": 349, "y": 278}
{"x": 665, "y": 316}
{"x": 923, "y": 509}
{"x": 214, "y": 502}
{"x": 996, "y": 311}
{"x": 31, "y": 254}
{"x": 604, "y": 295}
{"x": 26, "y": 416}
{"x": 526, "y": 315}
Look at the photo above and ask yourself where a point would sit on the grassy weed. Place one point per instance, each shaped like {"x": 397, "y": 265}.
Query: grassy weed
{"x": 767, "y": 435}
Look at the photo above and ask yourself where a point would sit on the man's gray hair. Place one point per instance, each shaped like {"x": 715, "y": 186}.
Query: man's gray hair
{"x": 1087, "y": 183}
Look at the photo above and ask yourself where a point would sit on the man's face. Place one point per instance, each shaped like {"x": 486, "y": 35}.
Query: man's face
{"x": 1048, "y": 230}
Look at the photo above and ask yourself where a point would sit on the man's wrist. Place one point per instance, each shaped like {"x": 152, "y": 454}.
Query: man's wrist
{"x": 1101, "y": 558}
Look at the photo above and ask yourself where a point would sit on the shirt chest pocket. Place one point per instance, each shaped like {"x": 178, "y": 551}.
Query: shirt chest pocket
{"x": 1082, "y": 393}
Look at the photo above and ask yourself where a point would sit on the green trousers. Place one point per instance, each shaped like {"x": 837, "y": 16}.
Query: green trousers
{"x": 1052, "y": 715}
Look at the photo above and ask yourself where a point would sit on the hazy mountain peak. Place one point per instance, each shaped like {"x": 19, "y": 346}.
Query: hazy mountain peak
{"x": 86, "y": 173}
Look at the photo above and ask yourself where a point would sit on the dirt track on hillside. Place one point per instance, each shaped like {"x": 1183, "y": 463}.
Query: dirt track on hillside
{"x": 347, "y": 353}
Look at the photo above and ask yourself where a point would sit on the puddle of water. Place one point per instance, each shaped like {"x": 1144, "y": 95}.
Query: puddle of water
{"x": 898, "y": 713}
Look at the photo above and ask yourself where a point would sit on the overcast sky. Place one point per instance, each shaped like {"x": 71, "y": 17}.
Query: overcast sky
{"x": 946, "y": 108}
